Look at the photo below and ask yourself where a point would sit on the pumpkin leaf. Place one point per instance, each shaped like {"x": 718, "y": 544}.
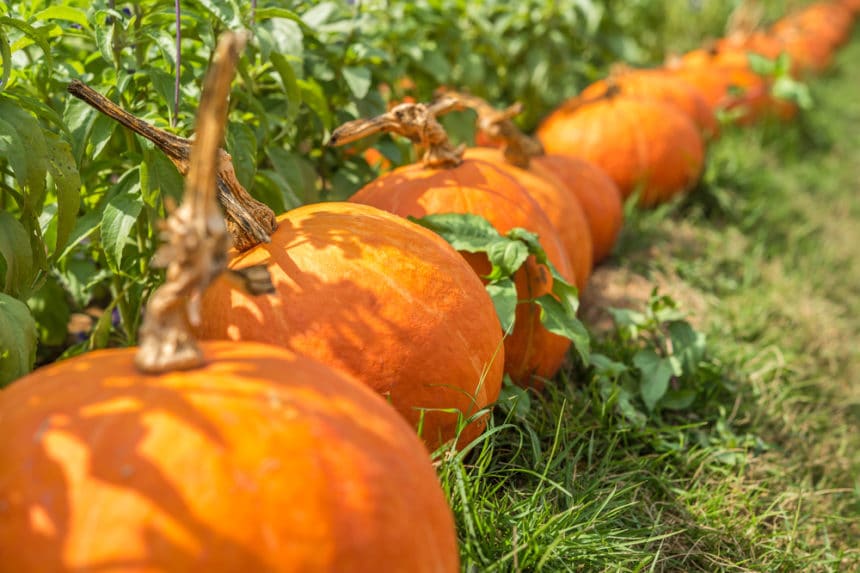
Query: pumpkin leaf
{"x": 506, "y": 256}
{"x": 503, "y": 293}
{"x": 464, "y": 231}
{"x": 17, "y": 339}
{"x": 557, "y": 318}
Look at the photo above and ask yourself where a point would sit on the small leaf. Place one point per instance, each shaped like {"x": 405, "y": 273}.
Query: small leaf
{"x": 67, "y": 13}
{"x": 556, "y": 318}
{"x": 504, "y": 296}
{"x": 761, "y": 65}
{"x": 655, "y": 375}
{"x": 678, "y": 399}
{"x": 506, "y": 256}
{"x": 290, "y": 85}
{"x": 314, "y": 96}
{"x": 242, "y": 146}
{"x": 119, "y": 217}
{"x": 358, "y": 80}
{"x": 225, "y": 11}
{"x": 319, "y": 14}
{"x": 513, "y": 399}
{"x": 17, "y": 339}
{"x": 6, "y": 55}
{"x": 606, "y": 367}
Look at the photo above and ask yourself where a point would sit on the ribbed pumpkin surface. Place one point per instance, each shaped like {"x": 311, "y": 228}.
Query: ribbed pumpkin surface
{"x": 661, "y": 86}
{"x": 597, "y": 194}
{"x": 376, "y": 296}
{"x": 260, "y": 461}
{"x": 637, "y": 142}
{"x": 481, "y": 188}
{"x": 561, "y": 207}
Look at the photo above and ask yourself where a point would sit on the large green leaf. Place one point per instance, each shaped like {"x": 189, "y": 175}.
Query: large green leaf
{"x": 17, "y": 339}
{"x": 503, "y": 293}
{"x": 656, "y": 371}
{"x": 67, "y": 185}
{"x": 119, "y": 217}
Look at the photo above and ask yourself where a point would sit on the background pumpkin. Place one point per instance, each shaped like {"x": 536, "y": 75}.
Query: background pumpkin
{"x": 661, "y": 86}
{"x": 612, "y": 132}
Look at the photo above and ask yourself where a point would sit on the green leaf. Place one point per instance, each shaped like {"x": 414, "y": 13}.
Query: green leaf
{"x": 791, "y": 90}
{"x": 242, "y": 146}
{"x": 358, "y": 80}
{"x": 17, "y": 339}
{"x": 28, "y": 135}
{"x": 16, "y": 251}
{"x": 761, "y": 65}
{"x": 656, "y": 372}
{"x": 464, "y": 231}
{"x": 84, "y": 227}
{"x": 163, "y": 84}
{"x": 291, "y": 87}
{"x": 688, "y": 345}
{"x": 678, "y": 399}
{"x": 226, "y": 12}
{"x": 66, "y": 13}
{"x": 79, "y": 118}
{"x": 282, "y": 37}
{"x": 67, "y": 182}
{"x": 38, "y": 36}
{"x": 506, "y": 256}
{"x": 6, "y": 55}
{"x": 314, "y": 96}
{"x": 556, "y": 318}
{"x": 319, "y": 14}
{"x": 119, "y": 217}
{"x": 503, "y": 293}
{"x": 606, "y": 367}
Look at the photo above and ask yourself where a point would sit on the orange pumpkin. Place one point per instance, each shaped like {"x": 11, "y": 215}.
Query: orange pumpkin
{"x": 481, "y": 188}
{"x": 727, "y": 83}
{"x": 597, "y": 194}
{"x": 812, "y": 35}
{"x": 639, "y": 143}
{"x": 561, "y": 207}
{"x": 379, "y": 297}
{"x": 661, "y": 86}
{"x": 261, "y": 460}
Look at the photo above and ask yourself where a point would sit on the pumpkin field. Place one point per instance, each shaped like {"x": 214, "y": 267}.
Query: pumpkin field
{"x": 429, "y": 286}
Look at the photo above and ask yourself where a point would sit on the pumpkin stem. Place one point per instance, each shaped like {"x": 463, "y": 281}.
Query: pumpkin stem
{"x": 574, "y": 103}
{"x": 195, "y": 235}
{"x": 415, "y": 121}
{"x": 518, "y": 148}
{"x": 248, "y": 221}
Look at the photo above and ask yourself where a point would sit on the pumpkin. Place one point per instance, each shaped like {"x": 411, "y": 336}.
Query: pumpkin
{"x": 639, "y": 143}
{"x": 379, "y": 297}
{"x": 597, "y": 194}
{"x": 446, "y": 183}
{"x": 560, "y": 205}
{"x": 261, "y": 460}
{"x": 811, "y": 35}
{"x": 728, "y": 85}
{"x": 661, "y": 86}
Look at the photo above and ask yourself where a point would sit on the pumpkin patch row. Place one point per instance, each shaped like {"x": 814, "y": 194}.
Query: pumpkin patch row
{"x": 282, "y": 437}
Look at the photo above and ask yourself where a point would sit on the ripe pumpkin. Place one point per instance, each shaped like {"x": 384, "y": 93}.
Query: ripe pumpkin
{"x": 661, "y": 86}
{"x": 481, "y": 188}
{"x": 379, "y": 297}
{"x": 812, "y": 35}
{"x": 637, "y": 142}
{"x": 262, "y": 460}
{"x": 560, "y": 205}
{"x": 597, "y": 194}
{"x": 728, "y": 85}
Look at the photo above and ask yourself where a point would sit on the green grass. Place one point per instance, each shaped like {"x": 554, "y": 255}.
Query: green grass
{"x": 762, "y": 472}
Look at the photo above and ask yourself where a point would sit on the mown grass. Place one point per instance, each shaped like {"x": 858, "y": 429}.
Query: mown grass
{"x": 762, "y": 473}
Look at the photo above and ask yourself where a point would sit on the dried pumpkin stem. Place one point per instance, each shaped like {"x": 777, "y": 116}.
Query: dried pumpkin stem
{"x": 518, "y": 148}
{"x": 196, "y": 239}
{"x": 248, "y": 221}
{"x": 415, "y": 121}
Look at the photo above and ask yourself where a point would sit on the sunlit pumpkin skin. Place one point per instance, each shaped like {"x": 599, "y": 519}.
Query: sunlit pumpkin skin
{"x": 479, "y": 187}
{"x": 379, "y": 297}
{"x": 755, "y": 42}
{"x": 561, "y": 207}
{"x": 828, "y": 23}
{"x": 661, "y": 86}
{"x": 260, "y": 461}
{"x": 597, "y": 194}
{"x": 636, "y": 142}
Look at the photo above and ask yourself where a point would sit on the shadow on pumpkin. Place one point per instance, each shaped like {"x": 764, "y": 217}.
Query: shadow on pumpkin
{"x": 122, "y": 472}
{"x": 373, "y": 297}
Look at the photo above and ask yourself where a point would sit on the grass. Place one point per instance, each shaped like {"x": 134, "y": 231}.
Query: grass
{"x": 762, "y": 472}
